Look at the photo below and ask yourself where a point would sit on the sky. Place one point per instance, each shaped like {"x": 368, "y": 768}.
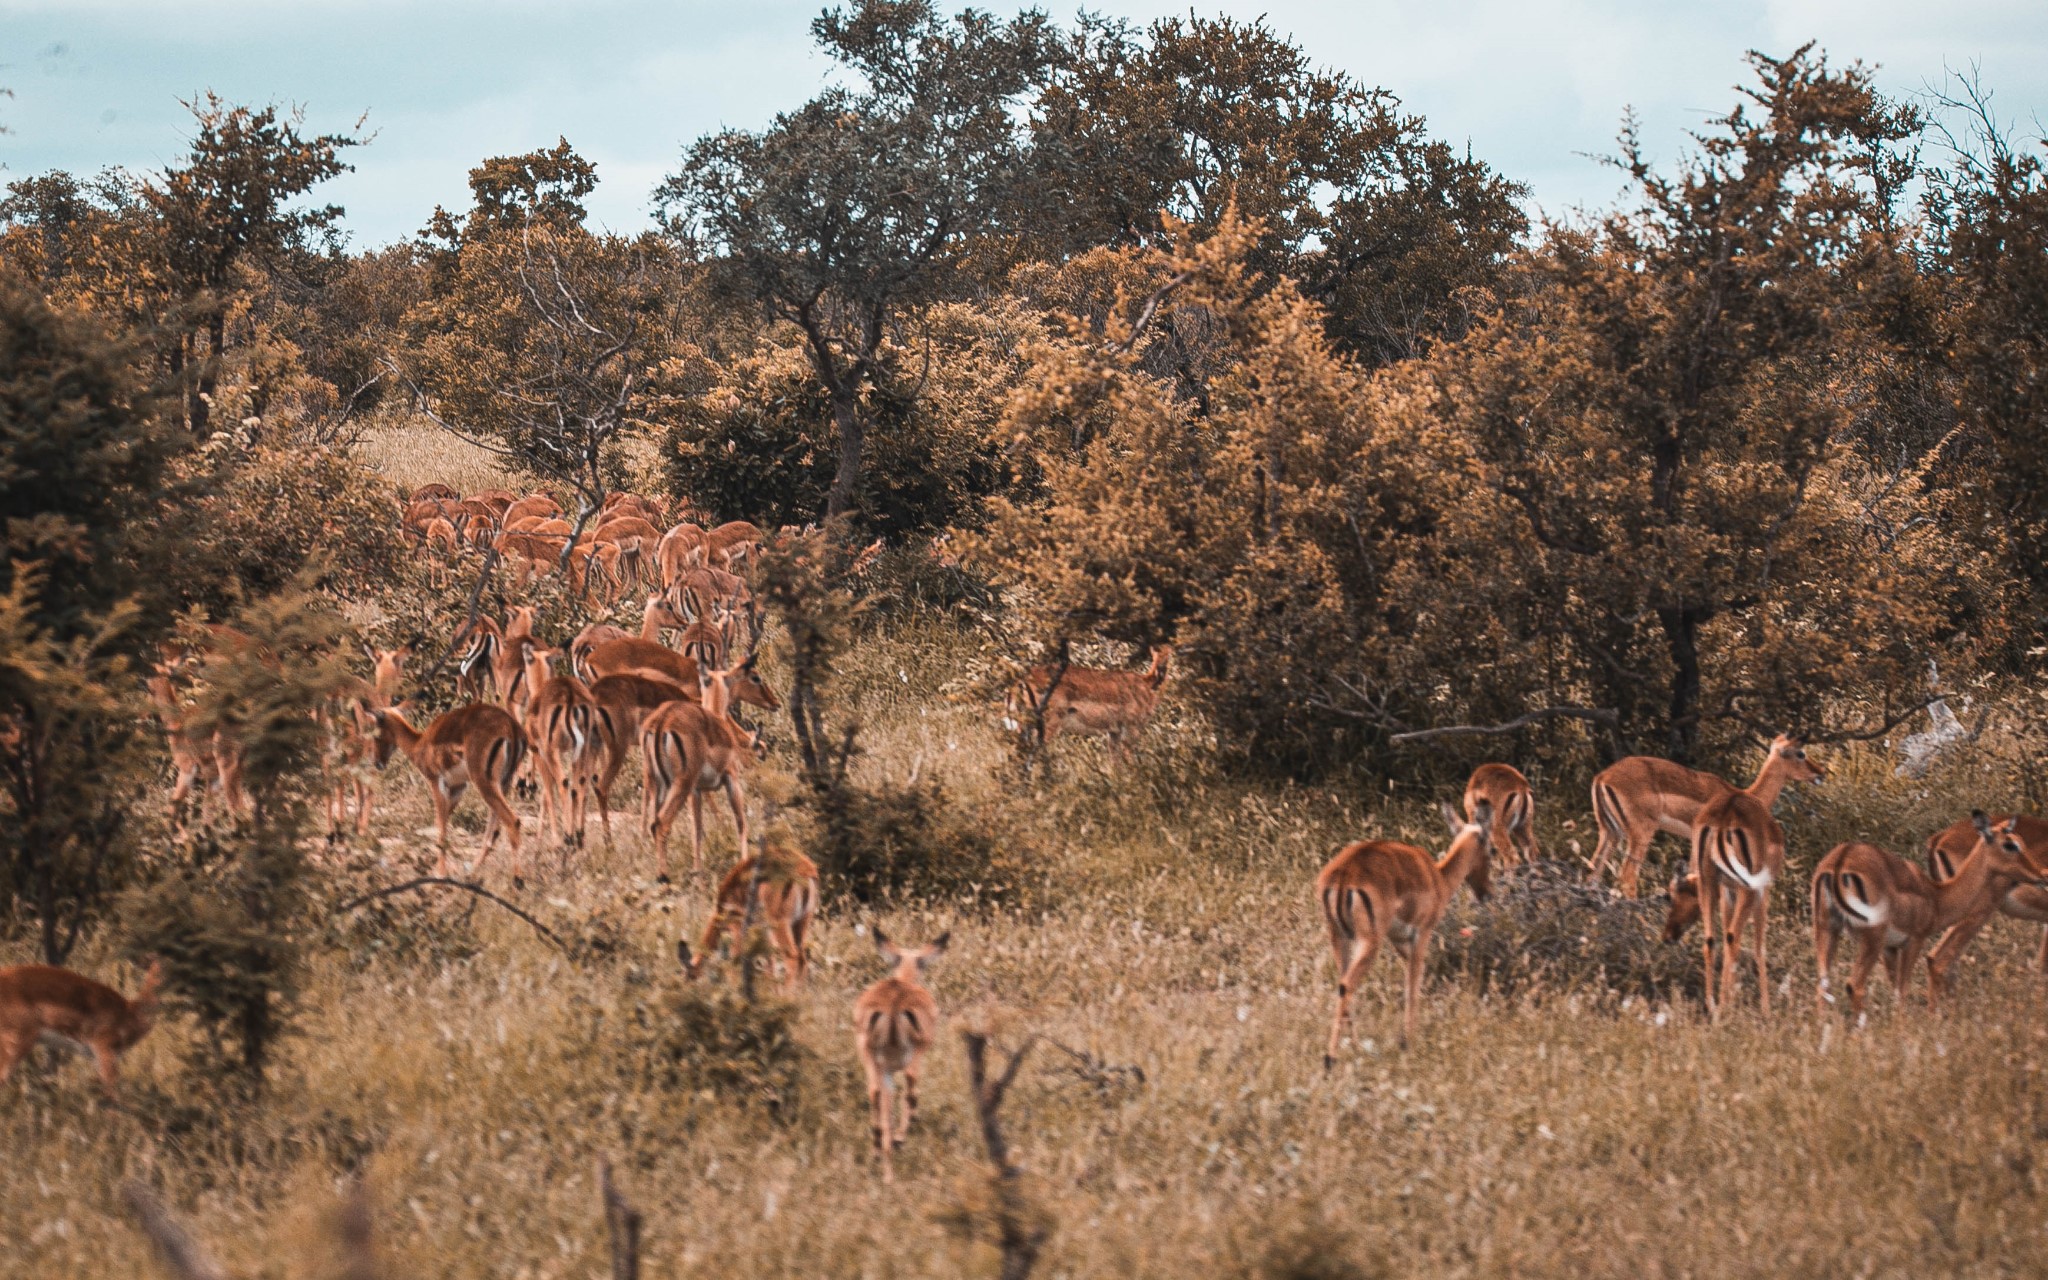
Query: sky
{"x": 1536, "y": 87}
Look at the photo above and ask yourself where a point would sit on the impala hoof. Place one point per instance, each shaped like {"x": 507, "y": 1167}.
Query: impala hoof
{"x": 1329, "y": 1062}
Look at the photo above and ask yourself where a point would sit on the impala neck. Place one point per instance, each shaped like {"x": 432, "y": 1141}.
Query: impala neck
{"x": 651, "y": 619}
{"x": 1770, "y": 781}
{"x": 401, "y": 730}
{"x": 1460, "y": 861}
{"x": 1975, "y": 884}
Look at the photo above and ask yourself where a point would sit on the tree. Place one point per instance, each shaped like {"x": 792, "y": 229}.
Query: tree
{"x": 848, "y": 215}
{"x": 540, "y": 340}
{"x": 230, "y": 205}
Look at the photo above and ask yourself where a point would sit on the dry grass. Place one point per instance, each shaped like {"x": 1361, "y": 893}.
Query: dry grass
{"x": 1553, "y": 1132}
{"x": 414, "y": 452}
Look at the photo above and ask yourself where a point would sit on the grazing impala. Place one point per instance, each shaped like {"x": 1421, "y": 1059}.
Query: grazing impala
{"x": 1503, "y": 787}
{"x": 1738, "y": 849}
{"x": 687, "y": 749}
{"x": 1635, "y": 798}
{"x": 894, "y": 1022}
{"x": 38, "y": 1000}
{"x": 1379, "y": 891}
{"x": 478, "y": 745}
{"x": 786, "y": 902}
{"x": 1894, "y": 909}
{"x": 1946, "y": 850}
{"x": 1089, "y": 701}
{"x": 561, "y": 727}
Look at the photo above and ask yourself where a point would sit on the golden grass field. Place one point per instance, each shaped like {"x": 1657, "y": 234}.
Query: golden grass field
{"x": 475, "y": 1082}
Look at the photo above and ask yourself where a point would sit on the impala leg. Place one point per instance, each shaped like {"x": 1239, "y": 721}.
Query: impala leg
{"x": 793, "y": 960}
{"x": 1710, "y": 934}
{"x": 1759, "y": 915}
{"x": 2041, "y": 961}
{"x": 1909, "y": 960}
{"x": 1416, "y": 951}
{"x": 444, "y": 808}
{"x": 911, "y": 1070}
{"x": 1639, "y": 838}
{"x": 13, "y": 1048}
{"x": 1871, "y": 946}
{"x": 1362, "y": 951}
{"x": 1945, "y": 954}
{"x": 108, "y": 1060}
{"x": 696, "y": 828}
{"x": 1826, "y": 929}
{"x": 736, "y": 796}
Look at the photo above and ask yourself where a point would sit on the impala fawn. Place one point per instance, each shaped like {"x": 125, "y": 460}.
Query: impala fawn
{"x": 1513, "y": 834}
{"x": 1379, "y": 891}
{"x": 1635, "y": 798}
{"x": 1894, "y": 909}
{"x": 38, "y": 1000}
{"x": 786, "y": 902}
{"x": 893, "y": 1024}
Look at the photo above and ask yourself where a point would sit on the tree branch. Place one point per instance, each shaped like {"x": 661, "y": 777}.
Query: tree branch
{"x": 1598, "y": 715}
{"x": 425, "y": 882}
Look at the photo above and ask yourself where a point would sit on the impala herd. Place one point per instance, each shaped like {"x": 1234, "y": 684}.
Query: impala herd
{"x": 568, "y": 715}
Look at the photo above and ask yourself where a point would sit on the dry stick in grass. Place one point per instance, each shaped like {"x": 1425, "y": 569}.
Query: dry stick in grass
{"x": 352, "y": 1229}
{"x": 622, "y": 1224}
{"x": 181, "y": 1255}
{"x": 1019, "y": 1234}
{"x": 425, "y": 882}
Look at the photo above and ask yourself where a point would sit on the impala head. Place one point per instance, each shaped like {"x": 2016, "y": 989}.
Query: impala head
{"x": 662, "y": 613}
{"x": 387, "y": 668}
{"x": 1473, "y": 838}
{"x": 1162, "y": 655}
{"x": 693, "y": 962}
{"x": 144, "y": 1004}
{"x": 521, "y": 619}
{"x": 909, "y": 963}
{"x": 1788, "y": 752}
{"x": 387, "y": 741}
{"x": 1684, "y": 897}
{"x": 2004, "y": 851}
{"x": 744, "y": 684}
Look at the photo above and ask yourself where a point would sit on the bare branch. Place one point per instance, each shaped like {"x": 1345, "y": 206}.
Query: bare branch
{"x": 1597, "y": 715}
{"x": 622, "y": 1224}
{"x": 425, "y": 882}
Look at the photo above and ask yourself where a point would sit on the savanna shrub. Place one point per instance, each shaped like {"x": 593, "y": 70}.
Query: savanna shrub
{"x": 896, "y": 841}
{"x": 1548, "y": 928}
{"x": 696, "y": 1038}
{"x": 267, "y": 513}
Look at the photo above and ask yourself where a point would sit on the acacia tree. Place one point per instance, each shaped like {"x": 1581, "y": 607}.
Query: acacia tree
{"x": 854, "y": 211}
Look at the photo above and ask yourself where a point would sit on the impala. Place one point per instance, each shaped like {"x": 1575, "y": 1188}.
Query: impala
{"x": 894, "y": 1022}
{"x": 1946, "y": 850}
{"x": 38, "y": 1000}
{"x": 508, "y": 660}
{"x": 1379, "y": 891}
{"x": 729, "y": 544}
{"x": 479, "y": 745}
{"x": 687, "y": 749}
{"x": 1738, "y": 849}
{"x": 352, "y": 736}
{"x": 680, "y": 549}
{"x": 561, "y": 727}
{"x": 479, "y": 658}
{"x": 623, "y": 702}
{"x": 1503, "y": 787}
{"x": 436, "y": 493}
{"x": 1088, "y": 701}
{"x": 786, "y": 902}
{"x": 533, "y": 504}
{"x": 1635, "y": 798}
{"x": 1894, "y": 909}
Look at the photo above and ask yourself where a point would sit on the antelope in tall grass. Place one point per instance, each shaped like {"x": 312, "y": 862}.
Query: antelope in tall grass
{"x": 1738, "y": 850}
{"x": 894, "y": 1022}
{"x": 1635, "y": 798}
{"x": 479, "y": 745}
{"x": 1893, "y": 909}
{"x": 786, "y": 902}
{"x": 561, "y": 728}
{"x": 1088, "y": 701}
{"x": 352, "y": 736}
{"x": 1379, "y": 891}
{"x": 1947, "y": 848}
{"x": 38, "y": 1000}
{"x": 687, "y": 749}
{"x": 1503, "y": 788}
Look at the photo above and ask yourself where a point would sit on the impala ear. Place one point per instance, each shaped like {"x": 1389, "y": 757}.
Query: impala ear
{"x": 1482, "y": 815}
{"x": 885, "y": 948}
{"x": 1451, "y": 818}
{"x": 938, "y": 946}
{"x": 1982, "y": 823}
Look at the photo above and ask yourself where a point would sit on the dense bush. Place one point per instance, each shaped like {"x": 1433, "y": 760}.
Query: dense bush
{"x": 1549, "y": 929}
{"x": 691, "y": 1039}
{"x": 892, "y": 842}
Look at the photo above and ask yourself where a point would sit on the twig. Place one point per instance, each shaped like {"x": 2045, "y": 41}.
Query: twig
{"x": 1598, "y": 715}
{"x": 352, "y": 1233}
{"x": 1865, "y": 735}
{"x": 442, "y": 881}
{"x": 622, "y": 1224}
{"x": 1019, "y": 1234}
{"x": 183, "y": 1256}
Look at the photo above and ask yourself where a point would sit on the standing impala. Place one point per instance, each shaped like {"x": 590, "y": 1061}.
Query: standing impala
{"x": 893, "y": 1024}
{"x": 1513, "y": 833}
{"x": 1946, "y": 850}
{"x": 478, "y": 745}
{"x": 1894, "y": 909}
{"x": 687, "y": 749}
{"x": 561, "y": 727}
{"x": 36, "y": 999}
{"x": 1635, "y": 798}
{"x": 1738, "y": 849}
{"x": 1088, "y": 701}
{"x": 1379, "y": 891}
{"x": 786, "y": 902}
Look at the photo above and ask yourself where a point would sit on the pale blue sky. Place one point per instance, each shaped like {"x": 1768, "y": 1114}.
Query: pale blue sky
{"x": 1530, "y": 83}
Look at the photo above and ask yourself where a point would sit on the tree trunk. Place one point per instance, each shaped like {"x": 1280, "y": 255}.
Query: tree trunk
{"x": 1682, "y": 638}
{"x": 846, "y": 417}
